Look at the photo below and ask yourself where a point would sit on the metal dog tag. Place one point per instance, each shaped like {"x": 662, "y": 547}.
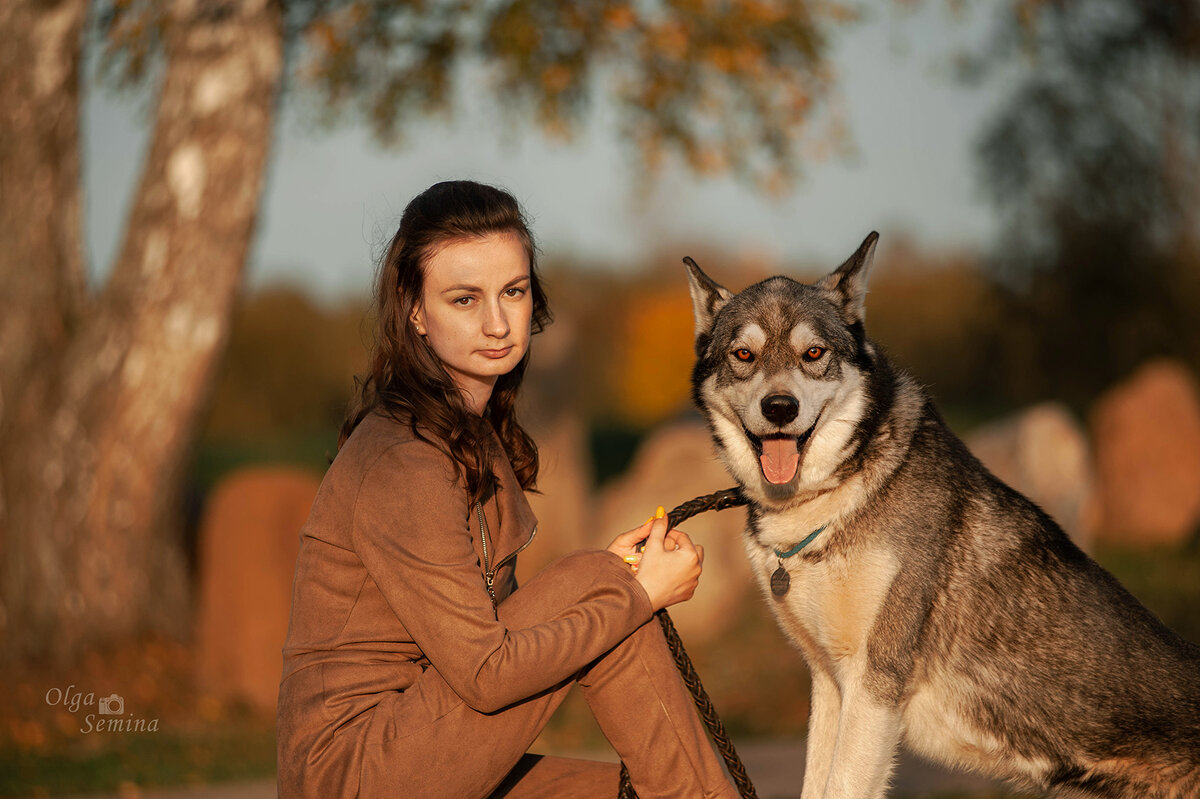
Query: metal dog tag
{"x": 781, "y": 581}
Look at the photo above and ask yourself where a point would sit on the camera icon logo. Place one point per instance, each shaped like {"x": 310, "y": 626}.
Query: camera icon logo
{"x": 113, "y": 705}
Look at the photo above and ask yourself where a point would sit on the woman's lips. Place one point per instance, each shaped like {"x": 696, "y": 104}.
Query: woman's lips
{"x": 496, "y": 354}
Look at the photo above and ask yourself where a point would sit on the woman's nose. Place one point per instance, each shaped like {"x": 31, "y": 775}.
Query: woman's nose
{"x": 495, "y": 324}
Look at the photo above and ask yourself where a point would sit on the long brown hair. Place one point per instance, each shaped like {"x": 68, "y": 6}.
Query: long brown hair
{"x": 406, "y": 378}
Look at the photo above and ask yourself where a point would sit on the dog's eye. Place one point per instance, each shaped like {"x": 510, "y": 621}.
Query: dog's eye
{"x": 814, "y": 353}
{"x": 744, "y": 355}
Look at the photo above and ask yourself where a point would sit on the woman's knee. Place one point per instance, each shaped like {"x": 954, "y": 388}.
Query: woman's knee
{"x": 563, "y": 583}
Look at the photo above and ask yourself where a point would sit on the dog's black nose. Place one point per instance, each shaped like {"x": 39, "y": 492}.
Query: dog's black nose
{"x": 780, "y": 408}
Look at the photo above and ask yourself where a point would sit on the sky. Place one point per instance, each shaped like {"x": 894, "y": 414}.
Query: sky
{"x": 334, "y": 197}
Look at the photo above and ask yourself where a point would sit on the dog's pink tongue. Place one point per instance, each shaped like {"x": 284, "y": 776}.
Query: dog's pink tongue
{"x": 779, "y": 459}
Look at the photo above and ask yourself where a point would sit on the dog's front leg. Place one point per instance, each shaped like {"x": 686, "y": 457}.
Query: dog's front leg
{"x": 867, "y": 736}
{"x": 825, "y": 707}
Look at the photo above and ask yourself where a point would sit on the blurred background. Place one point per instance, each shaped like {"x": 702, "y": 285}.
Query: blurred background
{"x": 193, "y": 198}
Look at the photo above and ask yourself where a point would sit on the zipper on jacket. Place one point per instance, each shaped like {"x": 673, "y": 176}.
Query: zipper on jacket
{"x": 520, "y": 549}
{"x": 489, "y": 574}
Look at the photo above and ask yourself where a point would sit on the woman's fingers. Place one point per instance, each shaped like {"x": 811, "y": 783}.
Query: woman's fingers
{"x": 678, "y": 539}
{"x": 630, "y": 538}
{"x": 666, "y": 561}
{"x": 670, "y": 565}
{"x": 658, "y": 534}
{"x": 626, "y": 544}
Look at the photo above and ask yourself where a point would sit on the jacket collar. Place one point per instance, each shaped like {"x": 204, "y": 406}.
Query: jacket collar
{"x": 510, "y": 520}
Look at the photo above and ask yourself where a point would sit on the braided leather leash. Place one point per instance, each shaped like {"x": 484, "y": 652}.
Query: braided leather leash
{"x": 720, "y": 500}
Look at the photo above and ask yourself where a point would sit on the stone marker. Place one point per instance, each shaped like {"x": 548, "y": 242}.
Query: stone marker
{"x": 249, "y": 539}
{"x": 1044, "y": 453}
{"x": 1146, "y": 433}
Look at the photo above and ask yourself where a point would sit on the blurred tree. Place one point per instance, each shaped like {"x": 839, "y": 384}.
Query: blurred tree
{"x": 1095, "y": 162}
{"x": 952, "y": 350}
{"x": 653, "y": 354}
{"x": 287, "y": 367}
{"x": 101, "y": 387}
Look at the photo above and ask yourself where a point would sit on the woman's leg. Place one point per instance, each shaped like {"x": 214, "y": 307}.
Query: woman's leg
{"x": 543, "y": 777}
{"x": 640, "y": 702}
{"x": 427, "y": 741}
{"x": 638, "y": 697}
{"x": 465, "y": 754}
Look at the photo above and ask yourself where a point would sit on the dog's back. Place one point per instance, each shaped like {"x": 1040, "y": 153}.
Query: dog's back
{"x": 1031, "y": 645}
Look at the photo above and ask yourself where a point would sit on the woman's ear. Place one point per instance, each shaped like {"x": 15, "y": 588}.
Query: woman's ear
{"x": 418, "y": 320}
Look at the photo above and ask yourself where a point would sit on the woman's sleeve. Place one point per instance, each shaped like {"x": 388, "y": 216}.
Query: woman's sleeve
{"x": 412, "y": 531}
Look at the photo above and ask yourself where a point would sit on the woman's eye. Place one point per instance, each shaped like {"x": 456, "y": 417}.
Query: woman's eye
{"x": 814, "y": 353}
{"x": 463, "y": 301}
{"x": 744, "y": 355}
{"x": 515, "y": 292}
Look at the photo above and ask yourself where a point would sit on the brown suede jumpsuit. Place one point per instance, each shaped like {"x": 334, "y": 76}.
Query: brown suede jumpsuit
{"x": 402, "y": 679}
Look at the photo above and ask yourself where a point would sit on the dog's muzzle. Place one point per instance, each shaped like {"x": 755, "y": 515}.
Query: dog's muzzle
{"x": 779, "y": 454}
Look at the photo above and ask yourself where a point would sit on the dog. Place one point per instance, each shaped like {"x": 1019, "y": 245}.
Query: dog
{"x": 936, "y": 607}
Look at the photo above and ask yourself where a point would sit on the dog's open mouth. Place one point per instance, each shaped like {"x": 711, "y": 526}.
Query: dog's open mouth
{"x": 779, "y": 453}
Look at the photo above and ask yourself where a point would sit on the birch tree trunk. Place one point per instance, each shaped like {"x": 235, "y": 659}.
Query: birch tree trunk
{"x": 100, "y": 394}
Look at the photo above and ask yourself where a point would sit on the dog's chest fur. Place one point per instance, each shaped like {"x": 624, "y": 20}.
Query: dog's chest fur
{"x": 835, "y": 592}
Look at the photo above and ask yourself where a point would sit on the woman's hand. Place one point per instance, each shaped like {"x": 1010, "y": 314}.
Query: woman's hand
{"x": 670, "y": 564}
{"x": 625, "y": 546}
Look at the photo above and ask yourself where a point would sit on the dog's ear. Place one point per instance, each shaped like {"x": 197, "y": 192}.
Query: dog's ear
{"x": 848, "y": 283}
{"x": 707, "y": 297}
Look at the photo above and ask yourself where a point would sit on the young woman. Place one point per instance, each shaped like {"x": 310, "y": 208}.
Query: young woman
{"x": 414, "y": 666}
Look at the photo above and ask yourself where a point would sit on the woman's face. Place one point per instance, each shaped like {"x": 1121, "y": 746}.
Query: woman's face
{"x": 475, "y": 310}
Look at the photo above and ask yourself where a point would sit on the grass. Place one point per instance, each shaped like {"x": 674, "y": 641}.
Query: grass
{"x": 1165, "y": 580}
{"x": 233, "y": 750}
{"x": 48, "y": 747}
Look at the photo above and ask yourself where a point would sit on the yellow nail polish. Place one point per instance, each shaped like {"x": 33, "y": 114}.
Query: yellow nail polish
{"x": 660, "y": 513}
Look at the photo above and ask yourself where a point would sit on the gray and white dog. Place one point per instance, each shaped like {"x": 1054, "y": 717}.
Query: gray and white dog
{"x": 936, "y": 606}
